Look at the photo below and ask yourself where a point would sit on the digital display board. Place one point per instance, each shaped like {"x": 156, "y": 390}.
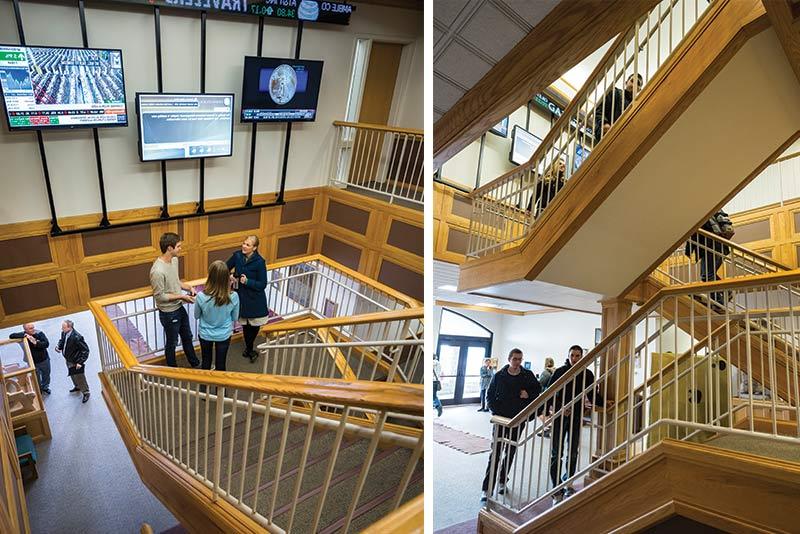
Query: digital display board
{"x": 280, "y": 90}
{"x": 48, "y": 87}
{"x": 184, "y": 125}
{"x": 523, "y": 145}
{"x": 305, "y": 10}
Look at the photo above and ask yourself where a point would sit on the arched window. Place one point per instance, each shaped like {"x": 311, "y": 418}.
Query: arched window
{"x": 455, "y": 324}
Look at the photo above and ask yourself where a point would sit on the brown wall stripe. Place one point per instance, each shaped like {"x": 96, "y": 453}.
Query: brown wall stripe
{"x": 345, "y": 254}
{"x": 457, "y": 241}
{"x": 295, "y": 245}
{"x": 29, "y": 297}
{"x": 348, "y": 217}
{"x": 116, "y": 239}
{"x": 222, "y": 254}
{"x": 119, "y": 279}
{"x": 25, "y": 251}
{"x": 407, "y": 237}
{"x": 754, "y": 231}
{"x": 462, "y": 207}
{"x": 297, "y": 211}
{"x": 229, "y": 223}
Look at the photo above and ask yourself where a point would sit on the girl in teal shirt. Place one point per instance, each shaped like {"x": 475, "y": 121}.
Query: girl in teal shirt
{"x": 217, "y": 307}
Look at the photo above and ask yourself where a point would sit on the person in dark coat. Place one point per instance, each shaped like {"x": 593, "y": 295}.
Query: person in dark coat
{"x": 512, "y": 389}
{"x": 249, "y": 276}
{"x": 38, "y": 343}
{"x": 569, "y": 395}
{"x": 614, "y": 102}
{"x": 548, "y": 187}
{"x": 709, "y": 252}
{"x": 76, "y": 352}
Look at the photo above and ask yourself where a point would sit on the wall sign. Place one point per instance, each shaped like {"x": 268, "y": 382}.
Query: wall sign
{"x": 305, "y": 10}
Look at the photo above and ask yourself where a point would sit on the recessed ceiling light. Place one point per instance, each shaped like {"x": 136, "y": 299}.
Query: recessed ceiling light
{"x": 490, "y": 305}
{"x": 448, "y": 287}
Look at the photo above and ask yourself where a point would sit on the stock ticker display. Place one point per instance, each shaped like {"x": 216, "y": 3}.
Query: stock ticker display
{"x": 305, "y": 10}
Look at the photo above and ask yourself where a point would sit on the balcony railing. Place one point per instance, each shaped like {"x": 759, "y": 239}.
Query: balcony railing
{"x": 379, "y": 159}
{"x": 313, "y": 286}
{"x": 505, "y": 210}
{"x": 681, "y": 367}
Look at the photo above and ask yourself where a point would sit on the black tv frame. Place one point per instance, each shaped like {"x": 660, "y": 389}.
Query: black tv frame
{"x": 288, "y": 60}
{"x": 70, "y": 126}
{"x": 514, "y": 143}
{"x": 139, "y": 124}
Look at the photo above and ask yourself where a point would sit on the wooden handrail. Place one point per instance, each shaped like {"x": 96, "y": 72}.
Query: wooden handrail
{"x": 647, "y": 307}
{"x": 400, "y": 397}
{"x": 557, "y": 128}
{"x": 410, "y": 302}
{"x": 367, "y": 318}
{"x": 379, "y": 127}
{"x": 734, "y": 246}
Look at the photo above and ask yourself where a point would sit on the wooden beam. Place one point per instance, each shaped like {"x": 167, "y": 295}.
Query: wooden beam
{"x": 568, "y": 34}
{"x": 782, "y": 18}
{"x": 490, "y": 309}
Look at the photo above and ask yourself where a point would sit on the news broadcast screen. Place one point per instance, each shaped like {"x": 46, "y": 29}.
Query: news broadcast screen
{"x": 184, "y": 125}
{"x": 280, "y": 90}
{"x": 47, "y": 87}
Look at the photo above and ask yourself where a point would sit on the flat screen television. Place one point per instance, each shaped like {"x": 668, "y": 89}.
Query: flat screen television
{"x": 184, "y": 125}
{"x": 501, "y": 128}
{"x": 46, "y": 87}
{"x": 280, "y": 90}
{"x": 523, "y": 145}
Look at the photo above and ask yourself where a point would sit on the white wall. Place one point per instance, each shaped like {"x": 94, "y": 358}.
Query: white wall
{"x": 780, "y": 182}
{"x": 131, "y": 184}
{"x": 538, "y": 336}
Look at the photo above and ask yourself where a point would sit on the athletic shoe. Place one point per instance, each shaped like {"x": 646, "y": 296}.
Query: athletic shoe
{"x": 569, "y": 491}
{"x": 46, "y": 391}
{"x": 85, "y": 397}
{"x": 501, "y": 489}
{"x": 558, "y": 497}
{"x": 483, "y": 496}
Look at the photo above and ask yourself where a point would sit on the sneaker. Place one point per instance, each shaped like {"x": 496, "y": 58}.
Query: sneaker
{"x": 85, "y": 397}
{"x": 46, "y": 391}
{"x": 253, "y": 356}
{"x": 569, "y": 491}
{"x": 439, "y": 411}
{"x": 74, "y": 390}
{"x": 484, "y": 496}
{"x": 501, "y": 489}
{"x": 558, "y": 497}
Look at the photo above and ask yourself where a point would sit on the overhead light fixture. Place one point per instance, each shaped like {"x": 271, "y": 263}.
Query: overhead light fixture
{"x": 448, "y": 287}
{"x": 490, "y": 305}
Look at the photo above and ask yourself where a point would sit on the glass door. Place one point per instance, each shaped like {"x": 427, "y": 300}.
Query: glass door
{"x": 461, "y": 358}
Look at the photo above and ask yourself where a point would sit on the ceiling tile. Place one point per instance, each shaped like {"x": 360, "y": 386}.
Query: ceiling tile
{"x": 445, "y": 94}
{"x": 461, "y": 65}
{"x": 532, "y": 11}
{"x": 492, "y": 32}
{"x": 446, "y": 11}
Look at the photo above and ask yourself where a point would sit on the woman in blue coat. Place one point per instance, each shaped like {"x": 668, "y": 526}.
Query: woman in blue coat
{"x": 249, "y": 272}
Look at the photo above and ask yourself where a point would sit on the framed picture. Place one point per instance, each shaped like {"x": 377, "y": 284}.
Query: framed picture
{"x": 581, "y": 153}
{"x": 523, "y": 145}
{"x": 501, "y": 128}
{"x": 298, "y": 287}
{"x": 330, "y": 309}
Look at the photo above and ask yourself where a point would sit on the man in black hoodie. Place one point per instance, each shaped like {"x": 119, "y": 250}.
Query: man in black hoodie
{"x": 512, "y": 389}
{"x": 38, "y": 343}
{"x": 570, "y": 395}
{"x": 614, "y": 102}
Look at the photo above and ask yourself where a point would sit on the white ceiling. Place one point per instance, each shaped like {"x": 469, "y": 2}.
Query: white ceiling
{"x": 470, "y": 36}
{"x": 545, "y": 295}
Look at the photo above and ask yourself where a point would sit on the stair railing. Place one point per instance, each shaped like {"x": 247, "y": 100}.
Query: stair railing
{"x": 677, "y": 368}
{"x": 312, "y": 286}
{"x": 223, "y": 428}
{"x": 505, "y": 210}
{"x": 386, "y": 160}
{"x": 385, "y": 346}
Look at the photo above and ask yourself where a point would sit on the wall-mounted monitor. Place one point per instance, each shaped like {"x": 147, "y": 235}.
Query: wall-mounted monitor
{"x": 501, "y": 128}
{"x": 280, "y": 90}
{"x": 523, "y": 145}
{"x": 184, "y": 125}
{"x": 46, "y": 87}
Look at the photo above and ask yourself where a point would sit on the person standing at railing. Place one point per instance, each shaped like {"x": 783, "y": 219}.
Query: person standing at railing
{"x": 710, "y": 252}
{"x": 568, "y": 422}
{"x": 249, "y": 277}
{"x": 437, "y": 385}
{"x": 547, "y": 373}
{"x": 76, "y": 352}
{"x": 614, "y": 102}
{"x": 216, "y": 308}
{"x": 512, "y": 389}
{"x": 548, "y": 187}
{"x": 38, "y": 343}
{"x": 169, "y": 299}
{"x": 486, "y": 380}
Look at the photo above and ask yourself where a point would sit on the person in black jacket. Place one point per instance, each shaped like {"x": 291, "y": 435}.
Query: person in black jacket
{"x": 38, "y": 343}
{"x": 249, "y": 276}
{"x": 709, "y": 252}
{"x": 614, "y": 102}
{"x": 570, "y": 396}
{"x": 76, "y": 352}
{"x": 512, "y": 389}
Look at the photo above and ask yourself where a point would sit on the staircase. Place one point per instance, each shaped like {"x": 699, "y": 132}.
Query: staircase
{"x": 697, "y": 62}
{"x": 302, "y": 441}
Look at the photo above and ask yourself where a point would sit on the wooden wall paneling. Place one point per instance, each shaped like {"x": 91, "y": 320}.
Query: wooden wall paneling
{"x": 292, "y": 245}
{"x": 403, "y": 278}
{"x": 9, "y": 316}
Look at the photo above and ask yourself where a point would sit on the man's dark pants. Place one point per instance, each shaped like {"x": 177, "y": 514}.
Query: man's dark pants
{"x": 176, "y": 323}
{"x": 561, "y": 428}
{"x": 43, "y": 374}
{"x": 507, "y": 462}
